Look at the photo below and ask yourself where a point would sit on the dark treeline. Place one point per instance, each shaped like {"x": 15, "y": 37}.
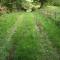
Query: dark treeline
{"x": 17, "y": 4}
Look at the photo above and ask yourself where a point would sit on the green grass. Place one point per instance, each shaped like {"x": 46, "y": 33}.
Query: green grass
{"x": 29, "y": 36}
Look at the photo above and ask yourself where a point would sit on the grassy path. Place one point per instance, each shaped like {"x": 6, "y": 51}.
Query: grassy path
{"x": 44, "y": 37}
{"x": 5, "y": 24}
{"x": 13, "y": 29}
{"x": 10, "y": 33}
{"x": 28, "y": 39}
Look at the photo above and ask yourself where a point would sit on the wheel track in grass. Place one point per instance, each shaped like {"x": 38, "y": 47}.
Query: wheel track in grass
{"x": 13, "y": 30}
{"x": 11, "y": 53}
{"x": 10, "y": 32}
{"x": 49, "y": 44}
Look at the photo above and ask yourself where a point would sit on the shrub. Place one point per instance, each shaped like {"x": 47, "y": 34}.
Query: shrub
{"x": 28, "y": 6}
{"x": 3, "y": 10}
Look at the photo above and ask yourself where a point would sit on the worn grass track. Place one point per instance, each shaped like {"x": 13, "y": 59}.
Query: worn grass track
{"x": 27, "y": 38}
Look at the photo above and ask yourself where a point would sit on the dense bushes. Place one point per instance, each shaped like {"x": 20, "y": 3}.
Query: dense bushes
{"x": 28, "y": 5}
{"x": 3, "y": 10}
{"x": 20, "y": 4}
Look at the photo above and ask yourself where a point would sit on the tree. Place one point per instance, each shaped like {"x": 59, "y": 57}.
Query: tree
{"x": 42, "y": 2}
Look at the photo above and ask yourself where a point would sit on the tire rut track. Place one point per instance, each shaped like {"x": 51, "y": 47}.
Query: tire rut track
{"x": 8, "y": 37}
{"x": 45, "y": 39}
{"x": 13, "y": 30}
